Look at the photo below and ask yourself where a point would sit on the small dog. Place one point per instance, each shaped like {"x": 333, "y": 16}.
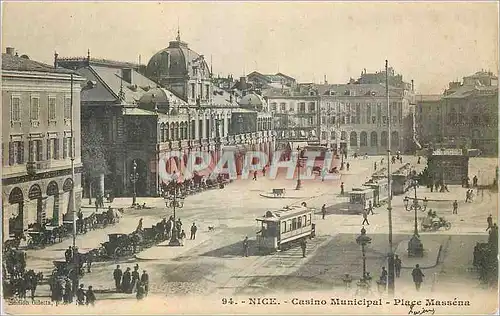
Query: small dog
{"x": 211, "y": 228}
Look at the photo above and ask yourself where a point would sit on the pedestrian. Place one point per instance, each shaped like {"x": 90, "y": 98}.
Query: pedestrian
{"x": 245, "y": 247}
{"x": 418, "y": 160}
{"x": 193, "y": 232}
{"x": 474, "y": 181}
{"x": 264, "y": 171}
{"x": 139, "y": 226}
{"x": 323, "y": 211}
{"x": 455, "y": 207}
{"x": 348, "y": 166}
{"x": 397, "y": 266}
{"x": 383, "y": 276}
{"x": 90, "y": 296}
{"x": 303, "y": 245}
{"x": 80, "y": 296}
{"x": 255, "y": 175}
{"x": 182, "y": 235}
{"x": 342, "y": 188}
{"x": 140, "y": 291}
{"x": 145, "y": 282}
{"x": 96, "y": 203}
{"x": 135, "y": 278}
{"x": 365, "y": 218}
{"x": 125, "y": 286}
{"x": 68, "y": 295}
{"x": 117, "y": 275}
{"x": 323, "y": 175}
{"x": 417, "y": 277}
{"x": 370, "y": 208}
{"x": 489, "y": 220}
{"x": 68, "y": 254}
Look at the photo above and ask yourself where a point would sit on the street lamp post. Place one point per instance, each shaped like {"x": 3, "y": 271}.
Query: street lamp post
{"x": 363, "y": 240}
{"x": 415, "y": 246}
{"x": 174, "y": 201}
{"x": 134, "y": 176}
{"x": 299, "y": 182}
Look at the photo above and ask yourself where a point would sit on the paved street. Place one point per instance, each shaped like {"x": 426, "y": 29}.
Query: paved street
{"x": 212, "y": 264}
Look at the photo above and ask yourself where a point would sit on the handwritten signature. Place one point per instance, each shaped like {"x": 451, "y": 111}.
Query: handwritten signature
{"x": 423, "y": 311}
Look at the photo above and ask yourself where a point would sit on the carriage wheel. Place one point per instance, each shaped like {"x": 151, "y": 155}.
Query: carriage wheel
{"x": 447, "y": 226}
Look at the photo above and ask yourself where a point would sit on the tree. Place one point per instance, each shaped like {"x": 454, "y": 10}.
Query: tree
{"x": 93, "y": 152}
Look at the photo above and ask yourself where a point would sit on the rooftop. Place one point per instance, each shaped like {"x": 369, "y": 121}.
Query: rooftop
{"x": 16, "y": 63}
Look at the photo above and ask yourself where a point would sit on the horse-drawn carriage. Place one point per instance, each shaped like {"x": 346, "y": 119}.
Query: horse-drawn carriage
{"x": 118, "y": 245}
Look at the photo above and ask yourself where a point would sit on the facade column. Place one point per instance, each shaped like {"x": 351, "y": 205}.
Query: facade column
{"x": 101, "y": 184}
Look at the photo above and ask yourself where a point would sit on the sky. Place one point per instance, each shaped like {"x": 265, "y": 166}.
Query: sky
{"x": 431, "y": 42}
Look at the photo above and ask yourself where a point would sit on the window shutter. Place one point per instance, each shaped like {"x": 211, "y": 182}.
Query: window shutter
{"x": 11, "y": 153}
{"x": 56, "y": 148}
{"x": 65, "y": 148}
{"x": 48, "y": 149}
{"x": 39, "y": 150}
{"x": 20, "y": 154}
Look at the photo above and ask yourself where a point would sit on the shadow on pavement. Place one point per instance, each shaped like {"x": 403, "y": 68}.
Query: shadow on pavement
{"x": 235, "y": 250}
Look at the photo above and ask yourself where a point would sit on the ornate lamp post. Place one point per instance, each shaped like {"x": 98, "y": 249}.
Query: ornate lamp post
{"x": 363, "y": 240}
{"x": 174, "y": 201}
{"x": 134, "y": 176}
{"x": 415, "y": 246}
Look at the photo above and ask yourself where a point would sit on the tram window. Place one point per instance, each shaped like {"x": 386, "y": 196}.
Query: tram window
{"x": 283, "y": 227}
{"x": 294, "y": 224}
{"x": 300, "y": 221}
{"x": 356, "y": 199}
{"x": 289, "y": 225}
{"x": 309, "y": 220}
{"x": 305, "y": 220}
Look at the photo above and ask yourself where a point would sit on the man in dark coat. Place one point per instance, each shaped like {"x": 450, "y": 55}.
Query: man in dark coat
{"x": 80, "y": 295}
{"x": 397, "y": 266}
{"x": 303, "y": 245}
{"x": 125, "y": 286}
{"x": 68, "y": 254}
{"x": 323, "y": 211}
{"x": 90, "y": 296}
{"x": 145, "y": 282}
{"x": 135, "y": 277}
{"x": 193, "y": 231}
{"x": 418, "y": 277}
{"x": 117, "y": 275}
{"x": 489, "y": 220}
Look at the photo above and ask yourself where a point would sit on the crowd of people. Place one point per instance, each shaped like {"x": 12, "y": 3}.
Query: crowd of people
{"x": 131, "y": 281}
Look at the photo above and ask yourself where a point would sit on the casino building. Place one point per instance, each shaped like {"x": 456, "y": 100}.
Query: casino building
{"x": 140, "y": 113}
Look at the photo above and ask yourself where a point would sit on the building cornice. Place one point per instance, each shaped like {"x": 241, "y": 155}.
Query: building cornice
{"x": 40, "y": 75}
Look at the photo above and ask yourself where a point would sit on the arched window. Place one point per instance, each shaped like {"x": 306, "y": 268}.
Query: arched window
{"x": 35, "y": 192}
{"x": 383, "y": 139}
{"x": 363, "y": 139}
{"x": 353, "y": 139}
{"x": 52, "y": 188}
{"x": 343, "y": 135}
{"x": 16, "y": 196}
{"x": 68, "y": 185}
{"x": 373, "y": 139}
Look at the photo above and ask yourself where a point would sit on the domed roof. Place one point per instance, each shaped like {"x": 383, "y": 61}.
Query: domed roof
{"x": 160, "y": 99}
{"x": 252, "y": 101}
{"x": 176, "y": 60}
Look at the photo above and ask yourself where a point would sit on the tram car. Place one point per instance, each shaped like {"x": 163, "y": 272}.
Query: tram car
{"x": 380, "y": 191}
{"x": 281, "y": 227}
{"x": 401, "y": 180}
{"x": 359, "y": 200}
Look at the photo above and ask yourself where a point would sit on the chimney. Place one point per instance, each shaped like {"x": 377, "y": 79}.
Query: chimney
{"x": 127, "y": 74}
{"x": 326, "y": 81}
{"x": 412, "y": 86}
{"x": 10, "y": 51}
{"x": 55, "y": 59}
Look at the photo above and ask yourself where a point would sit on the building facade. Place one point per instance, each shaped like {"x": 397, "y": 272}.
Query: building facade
{"x": 465, "y": 116}
{"x": 129, "y": 118}
{"x": 40, "y": 112}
